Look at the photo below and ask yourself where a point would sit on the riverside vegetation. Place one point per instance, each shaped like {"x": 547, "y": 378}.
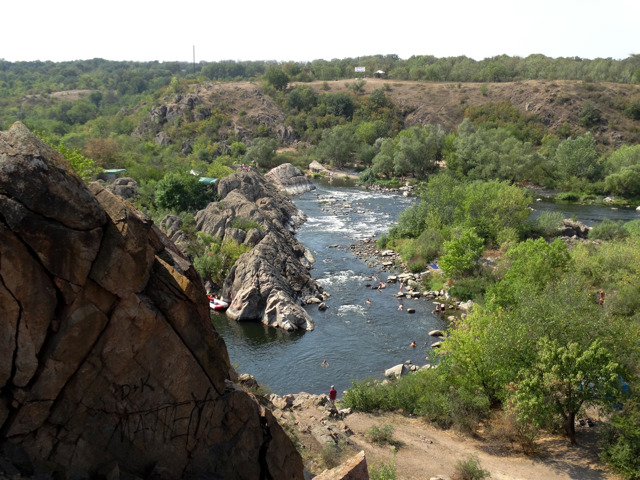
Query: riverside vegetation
{"x": 538, "y": 349}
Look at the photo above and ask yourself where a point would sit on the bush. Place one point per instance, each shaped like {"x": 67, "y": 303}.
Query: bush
{"x": 567, "y": 197}
{"x": 633, "y": 228}
{"x": 383, "y": 471}
{"x": 215, "y": 259}
{"x": 548, "y": 223}
{"x": 245, "y": 224}
{"x": 470, "y": 470}
{"x": 382, "y": 435}
{"x": 621, "y": 441}
{"x": 608, "y": 230}
{"x": 471, "y": 288}
{"x": 426, "y": 393}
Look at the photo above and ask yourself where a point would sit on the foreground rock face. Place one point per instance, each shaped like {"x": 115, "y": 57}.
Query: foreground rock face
{"x": 271, "y": 281}
{"x": 289, "y": 179}
{"x": 107, "y": 353}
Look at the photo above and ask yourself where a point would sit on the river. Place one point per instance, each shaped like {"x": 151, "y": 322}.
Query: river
{"x": 356, "y": 339}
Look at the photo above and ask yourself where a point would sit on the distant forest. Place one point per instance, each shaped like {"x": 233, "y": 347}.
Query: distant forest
{"x": 138, "y": 77}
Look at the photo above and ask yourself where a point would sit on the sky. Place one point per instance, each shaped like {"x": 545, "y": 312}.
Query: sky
{"x": 284, "y": 30}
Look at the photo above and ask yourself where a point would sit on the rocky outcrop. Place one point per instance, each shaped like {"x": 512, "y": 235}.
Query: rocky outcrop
{"x": 354, "y": 468}
{"x": 571, "y": 228}
{"x": 289, "y": 179}
{"x": 108, "y": 358}
{"x": 271, "y": 282}
{"x": 125, "y": 187}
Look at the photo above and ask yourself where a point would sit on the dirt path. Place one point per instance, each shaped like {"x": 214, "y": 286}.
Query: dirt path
{"x": 424, "y": 451}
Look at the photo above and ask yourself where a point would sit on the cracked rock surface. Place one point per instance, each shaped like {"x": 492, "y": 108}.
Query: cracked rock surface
{"x": 107, "y": 353}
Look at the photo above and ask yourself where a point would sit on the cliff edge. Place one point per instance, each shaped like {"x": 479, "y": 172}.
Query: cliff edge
{"x": 108, "y": 358}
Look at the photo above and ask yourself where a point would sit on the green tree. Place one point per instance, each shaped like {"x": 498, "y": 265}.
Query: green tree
{"x": 564, "y": 379}
{"x": 533, "y": 264}
{"x": 339, "y": 104}
{"x": 262, "y": 152}
{"x": 383, "y": 161}
{"x": 337, "y": 145}
{"x": 302, "y": 98}
{"x": 491, "y": 207}
{"x": 182, "y": 193}
{"x": 578, "y": 158}
{"x": 462, "y": 254}
{"x": 277, "y": 78}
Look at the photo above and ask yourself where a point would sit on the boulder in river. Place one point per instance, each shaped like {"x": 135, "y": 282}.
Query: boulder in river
{"x": 289, "y": 179}
{"x": 271, "y": 282}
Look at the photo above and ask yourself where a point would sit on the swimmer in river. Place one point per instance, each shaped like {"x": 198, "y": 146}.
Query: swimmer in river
{"x": 368, "y": 302}
{"x": 413, "y": 344}
{"x": 324, "y": 363}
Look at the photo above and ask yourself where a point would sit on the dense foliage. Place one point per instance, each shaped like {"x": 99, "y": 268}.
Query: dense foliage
{"x": 537, "y": 347}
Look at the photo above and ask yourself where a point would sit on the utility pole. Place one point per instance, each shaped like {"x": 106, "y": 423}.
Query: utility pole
{"x": 194, "y": 59}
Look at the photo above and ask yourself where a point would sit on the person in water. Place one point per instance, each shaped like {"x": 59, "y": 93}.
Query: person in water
{"x": 324, "y": 363}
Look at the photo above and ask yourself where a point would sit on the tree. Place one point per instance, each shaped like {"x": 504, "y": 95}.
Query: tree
{"x": 578, "y": 158}
{"x": 182, "y": 193}
{"x": 302, "y": 98}
{"x": 564, "y": 379}
{"x": 491, "y": 207}
{"x": 337, "y": 145}
{"x": 262, "y": 152}
{"x": 339, "y": 104}
{"x": 105, "y": 151}
{"x": 277, "y": 78}
{"x": 533, "y": 264}
{"x": 418, "y": 150}
{"x": 590, "y": 116}
{"x": 462, "y": 254}
{"x": 383, "y": 161}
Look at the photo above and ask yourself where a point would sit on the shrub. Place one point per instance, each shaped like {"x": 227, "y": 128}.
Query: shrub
{"x": 471, "y": 288}
{"x": 382, "y": 435}
{"x": 245, "y": 224}
{"x": 568, "y": 197}
{"x": 633, "y": 228}
{"x": 608, "y": 230}
{"x": 383, "y": 471}
{"x": 216, "y": 259}
{"x": 548, "y": 223}
{"x": 470, "y": 470}
{"x": 621, "y": 441}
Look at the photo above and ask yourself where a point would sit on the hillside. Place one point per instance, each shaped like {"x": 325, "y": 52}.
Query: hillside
{"x": 558, "y": 104}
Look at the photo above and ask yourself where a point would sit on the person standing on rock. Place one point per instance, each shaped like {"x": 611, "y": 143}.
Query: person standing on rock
{"x": 332, "y": 395}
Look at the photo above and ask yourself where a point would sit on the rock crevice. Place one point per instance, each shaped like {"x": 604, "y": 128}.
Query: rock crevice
{"x": 107, "y": 352}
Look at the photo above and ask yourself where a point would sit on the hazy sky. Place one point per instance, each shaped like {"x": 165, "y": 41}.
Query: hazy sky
{"x": 299, "y": 30}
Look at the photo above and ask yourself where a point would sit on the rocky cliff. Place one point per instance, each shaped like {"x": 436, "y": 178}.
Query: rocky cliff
{"x": 108, "y": 360}
{"x": 271, "y": 282}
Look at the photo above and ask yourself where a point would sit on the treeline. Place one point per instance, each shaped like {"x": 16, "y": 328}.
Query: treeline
{"x": 126, "y": 77}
